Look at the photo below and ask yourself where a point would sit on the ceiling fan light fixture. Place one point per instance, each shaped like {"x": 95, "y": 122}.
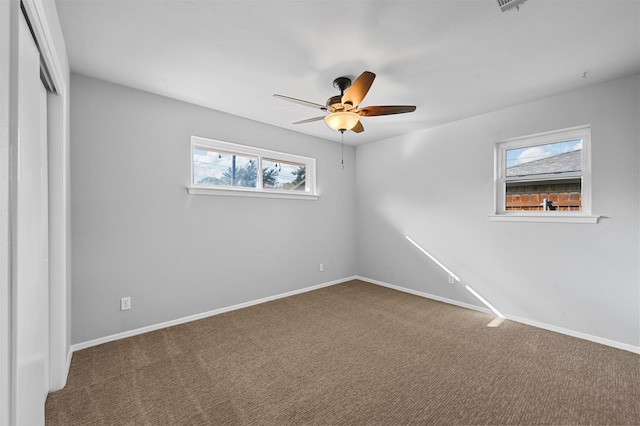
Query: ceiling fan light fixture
{"x": 343, "y": 110}
{"x": 342, "y": 121}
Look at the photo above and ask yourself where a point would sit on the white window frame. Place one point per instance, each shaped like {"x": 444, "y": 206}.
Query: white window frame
{"x": 582, "y": 133}
{"x": 259, "y": 153}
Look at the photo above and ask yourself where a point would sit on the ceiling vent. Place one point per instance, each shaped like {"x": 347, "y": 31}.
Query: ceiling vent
{"x": 509, "y": 4}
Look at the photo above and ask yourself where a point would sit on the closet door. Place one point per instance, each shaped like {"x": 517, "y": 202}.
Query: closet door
{"x": 30, "y": 328}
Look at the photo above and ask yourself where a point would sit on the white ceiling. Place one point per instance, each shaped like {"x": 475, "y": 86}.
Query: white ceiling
{"x": 451, "y": 58}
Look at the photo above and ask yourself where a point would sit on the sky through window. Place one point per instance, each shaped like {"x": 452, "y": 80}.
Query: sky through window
{"x": 538, "y": 152}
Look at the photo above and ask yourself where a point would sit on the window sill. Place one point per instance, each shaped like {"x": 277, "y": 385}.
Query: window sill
{"x": 557, "y": 218}
{"x": 250, "y": 193}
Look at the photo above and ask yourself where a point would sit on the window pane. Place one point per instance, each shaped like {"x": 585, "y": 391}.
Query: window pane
{"x": 224, "y": 169}
{"x": 283, "y": 175}
{"x": 553, "y": 158}
{"x": 558, "y": 195}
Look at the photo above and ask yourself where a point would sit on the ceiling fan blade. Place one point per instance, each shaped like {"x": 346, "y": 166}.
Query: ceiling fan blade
{"x": 358, "y": 128}
{"x": 371, "y": 111}
{"x": 358, "y": 90}
{"x": 309, "y": 120}
{"x": 301, "y": 102}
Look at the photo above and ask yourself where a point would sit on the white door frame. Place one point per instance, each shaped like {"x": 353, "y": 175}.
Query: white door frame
{"x": 59, "y": 191}
{"x": 29, "y": 239}
{"x": 59, "y": 205}
{"x": 7, "y": 13}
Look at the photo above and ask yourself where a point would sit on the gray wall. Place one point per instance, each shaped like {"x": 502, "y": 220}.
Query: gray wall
{"x": 136, "y": 232}
{"x": 437, "y": 187}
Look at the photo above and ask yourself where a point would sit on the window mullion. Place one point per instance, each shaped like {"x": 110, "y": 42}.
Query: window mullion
{"x": 541, "y": 177}
{"x": 259, "y": 171}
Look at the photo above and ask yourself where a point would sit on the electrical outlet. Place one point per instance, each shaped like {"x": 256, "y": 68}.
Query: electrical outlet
{"x": 125, "y": 303}
{"x": 451, "y": 279}
{"x": 321, "y": 267}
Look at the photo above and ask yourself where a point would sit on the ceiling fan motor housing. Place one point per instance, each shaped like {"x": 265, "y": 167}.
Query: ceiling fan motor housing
{"x": 334, "y": 103}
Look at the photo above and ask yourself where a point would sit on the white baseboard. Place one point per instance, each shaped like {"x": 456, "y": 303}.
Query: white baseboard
{"x": 578, "y": 334}
{"x": 68, "y": 365}
{"x": 573, "y": 333}
{"x": 426, "y": 295}
{"x": 147, "y": 329}
{"x": 561, "y": 330}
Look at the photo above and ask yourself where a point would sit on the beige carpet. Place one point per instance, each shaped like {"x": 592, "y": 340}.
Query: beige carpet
{"x": 349, "y": 354}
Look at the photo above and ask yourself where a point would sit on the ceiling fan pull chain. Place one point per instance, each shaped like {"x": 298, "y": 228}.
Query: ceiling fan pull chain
{"x": 342, "y": 147}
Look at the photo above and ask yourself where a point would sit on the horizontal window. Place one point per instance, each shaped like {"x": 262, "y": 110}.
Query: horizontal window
{"x": 223, "y": 168}
{"x": 544, "y": 176}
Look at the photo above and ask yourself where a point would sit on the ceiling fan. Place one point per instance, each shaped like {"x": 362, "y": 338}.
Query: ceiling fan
{"x": 344, "y": 110}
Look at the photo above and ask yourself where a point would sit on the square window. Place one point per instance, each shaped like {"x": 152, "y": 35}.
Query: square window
{"x": 544, "y": 176}
{"x": 536, "y": 177}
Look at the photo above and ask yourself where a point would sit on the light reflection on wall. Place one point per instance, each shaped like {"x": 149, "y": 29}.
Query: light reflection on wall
{"x": 447, "y": 270}
{"x": 455, "y": 277}
{"x": 483, "y": 300}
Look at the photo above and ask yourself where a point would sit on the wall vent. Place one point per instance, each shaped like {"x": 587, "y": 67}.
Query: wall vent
{"x": 509, "y": 4}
